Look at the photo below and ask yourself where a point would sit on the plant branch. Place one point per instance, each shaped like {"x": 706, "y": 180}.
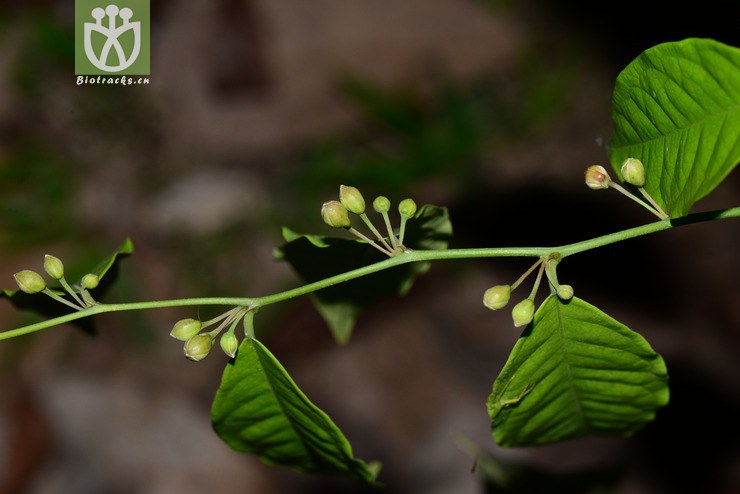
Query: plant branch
{"x": 406, "y": 257}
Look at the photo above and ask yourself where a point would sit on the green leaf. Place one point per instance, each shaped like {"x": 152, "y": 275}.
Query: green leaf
{"x": 127, "y": 247}
{"x": 575, "y": 371}
{"x": 259, "y": 409}
{"x": 677, "y": 109}
{"x": 316, "y": 257}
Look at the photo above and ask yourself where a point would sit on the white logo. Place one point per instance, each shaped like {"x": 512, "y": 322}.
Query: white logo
{"x": 111, "y": 32}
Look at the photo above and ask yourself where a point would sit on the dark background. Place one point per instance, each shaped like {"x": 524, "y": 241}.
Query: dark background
{"x": 256, "y": 112}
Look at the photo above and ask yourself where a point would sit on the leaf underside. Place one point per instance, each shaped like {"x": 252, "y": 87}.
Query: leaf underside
{"x": 316, "y": 257}
{"x": 676, "y": 107}
{"x": 575, "y": 371}
{"x": 259, "y": 409}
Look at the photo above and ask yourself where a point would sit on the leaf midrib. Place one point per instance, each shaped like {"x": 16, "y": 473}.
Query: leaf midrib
{"x": 269, "y": 381}
{"x": 569, "y": 372}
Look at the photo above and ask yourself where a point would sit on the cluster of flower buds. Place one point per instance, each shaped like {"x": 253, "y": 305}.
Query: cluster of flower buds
{"x": 498, "y": 296}
{"x": 198, "y": 343}
{"x": 633, "y": 173}
{"x": 32, "y": 282}
{"x": 336, "y": 214}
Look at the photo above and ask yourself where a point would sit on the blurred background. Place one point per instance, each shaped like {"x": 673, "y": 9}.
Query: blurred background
{"x": 257, "y": 111}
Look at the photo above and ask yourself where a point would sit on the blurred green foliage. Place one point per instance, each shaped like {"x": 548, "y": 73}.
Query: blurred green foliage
{"x": 447, "y": 130}
{"x": 37, "y": 187}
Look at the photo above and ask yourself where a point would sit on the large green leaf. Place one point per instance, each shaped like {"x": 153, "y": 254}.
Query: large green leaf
{"x": 316, "y": 257}
{"x": 575, "y": 371}
{"x": 259, "y": 409}
{"x": 677, "y": 108}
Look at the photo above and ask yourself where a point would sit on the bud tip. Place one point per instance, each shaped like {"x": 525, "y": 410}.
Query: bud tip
{"x": 633, "y": 172}
{"x": 381, "y": 204}
{"x": 523, "y": 312}
{"x": 597, "y": 177}
{"x": 497, "y": 297}
{"x": 90, "y": 281}
{"x": 407, "y": 208}
{"x": 565, "y": 292}
{"x": 53, "y": 266}
{"x": 29, "y": 281}
{"x": 335, "y": 214}
{"x": 185, "y": 329}
{"x": 197, "y": 347}
{"x": 229, "y": 343}
{"x": 351, "y": 199}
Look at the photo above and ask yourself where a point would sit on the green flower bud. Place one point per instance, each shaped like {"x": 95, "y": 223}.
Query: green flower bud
{"x": 633, "y": 172}
{"x": 229, "y": 343}
{"x": 185, "y": 329}
{"x": 597, "y": 177}
{"x": 198, "y": 346}
{"x": 523, "y": 312}
{"x": 381, "y": 204}
{"x": 565, "y": 292}
{"x": 29, "y": 281}
{"x": 497, "y": 297}
{"x": 335, "y": 214}
{"x": 407, "y": 208}
{"x": 89, "y": 281}
{"x": 352, "y": 199}
{"x": 53, "y": 267}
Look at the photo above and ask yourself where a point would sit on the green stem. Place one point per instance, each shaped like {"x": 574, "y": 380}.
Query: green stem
{"x": 249, "y": 324}
{"x": 253, "y": 303}
{"x": 536, "y": 285}
{"x": 233, "y": 318}
{"x": 218, "y": 318}
{"x": 361, "y": 236}
{"x": 89, "y": 300}
{"x": 388, "y": 227}
{"x": 624, "y": 191}
{"x": 662, "y": 214}
{"x": 523, "y": 277}
{"x": 402, "y": 230}
{"x": 71, "y": 291}
{"x": 551, "y": 272}
{"x": 56, "y": 297}
{"x": 375, "y": 231}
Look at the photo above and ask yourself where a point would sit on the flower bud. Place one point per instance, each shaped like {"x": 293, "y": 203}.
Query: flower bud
{"x": 633, "y": 172}
{"x": 89, "y": 281}
{"x": 352, "y": 199}
{"x": 407, "y": 208}
{"x": 497, "y": 297}
{"x": 597, "y": 177}
{"x": 381, "y": 204}
{"x": 53, "y": 267}
{"x": 523, "y": 312}
{"x": 335, "y": 214}
{"x": 229, "y": 343}
{"x": 29, "y": 281}
{"x": 185, "y": 329}
{"x": 565, "y": 292}
{"x": 198, "y": 346}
